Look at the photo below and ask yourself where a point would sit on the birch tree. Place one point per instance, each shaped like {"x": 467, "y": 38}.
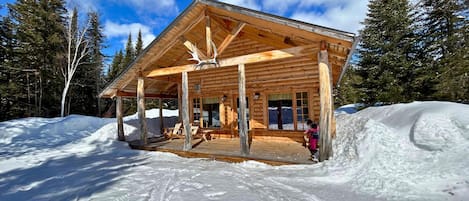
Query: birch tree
{"x": 77, "y": 49}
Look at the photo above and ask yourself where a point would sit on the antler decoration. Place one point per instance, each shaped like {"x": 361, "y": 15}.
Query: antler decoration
{"x": 201, "y": 63}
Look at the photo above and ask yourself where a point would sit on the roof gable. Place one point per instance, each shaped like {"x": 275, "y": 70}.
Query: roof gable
{"x": 261, "y": 32}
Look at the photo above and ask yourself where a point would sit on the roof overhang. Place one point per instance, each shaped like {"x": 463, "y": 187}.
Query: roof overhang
{"x": 194, "y": 14}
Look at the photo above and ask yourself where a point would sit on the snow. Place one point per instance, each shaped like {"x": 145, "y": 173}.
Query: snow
{"x": 415, "y": 151}
{"x": 348, "y": 109}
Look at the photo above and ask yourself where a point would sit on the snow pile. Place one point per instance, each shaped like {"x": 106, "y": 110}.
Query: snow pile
{"x": 416, "y": 151}
{"x": 405, "y": 151}
{"x": 131, "y": 123}
{"x": 348, "y": 109}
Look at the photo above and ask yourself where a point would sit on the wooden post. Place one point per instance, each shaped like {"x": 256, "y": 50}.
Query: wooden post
{"x": 160, "y": 100}
{"x": 243, "y": 131}
{"x": 185, "y": 113}
{"x": 208, "y": 35}
{"x": 120, "y": 120}
{"x": 326, "y": 115}
{"x": 141, "y": 110}
{"x": 179, "y": 103}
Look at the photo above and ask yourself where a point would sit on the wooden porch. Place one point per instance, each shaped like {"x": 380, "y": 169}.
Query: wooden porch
{"x": 228, "y": 149}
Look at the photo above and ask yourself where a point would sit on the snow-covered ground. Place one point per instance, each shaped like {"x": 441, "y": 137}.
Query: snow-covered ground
{"x": 416, "y": 151}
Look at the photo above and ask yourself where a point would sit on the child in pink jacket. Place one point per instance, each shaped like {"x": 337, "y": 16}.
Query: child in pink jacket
{"x": 313, "y": 136}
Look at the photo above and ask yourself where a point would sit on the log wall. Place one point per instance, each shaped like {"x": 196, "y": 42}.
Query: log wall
{"x": 298, "y": 74}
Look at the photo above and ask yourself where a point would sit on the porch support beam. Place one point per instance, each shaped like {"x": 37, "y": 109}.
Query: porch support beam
{"x": 185, "y": 113}
{"x": 243, "y": 127}
{"x": 326, "y": 115}
{"x": 245, "y": 59}
{"x": 179, "y": 102}
{"x": 141, "y": 110}
{"x": 160, "y": 101}
{"x": 120, "y": 120}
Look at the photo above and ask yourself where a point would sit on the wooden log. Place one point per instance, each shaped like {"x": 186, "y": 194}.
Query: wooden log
{"x": 245, "y": 59}
{"x": 208, "y": 35}
{"x": 179, "y": 103}
{"x": 185, "y": 113}
{"x": 243, "y": 130}
{"x": 326, "y": 111}
{"x": 120, "y": 120}
{"x": 160, "y": 101}
{"x": 133, "y": 95}
{"x": 228, "y": 39}
{"x": 141, "y": 110}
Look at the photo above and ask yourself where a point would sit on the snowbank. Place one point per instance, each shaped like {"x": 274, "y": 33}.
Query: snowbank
{"x": 405, "y": 151}
{"x": 348, "y": 109}
{"x": 416, "y": 151}
{"x": 131, "y": 123}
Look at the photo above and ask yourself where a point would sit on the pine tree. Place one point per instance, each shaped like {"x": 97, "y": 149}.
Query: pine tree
{"x": 116, "y": 65}
{"x": 13, "y": 102}
{"x": 139, "y": 45}
{"x": 39, "y": 28}
{"x": 446, "y": 39}
{"x": 386, "y": 53}
{"x": 97, "y": 57}
{"x": 129, "y": 53}
{"x": 347, "y": 92}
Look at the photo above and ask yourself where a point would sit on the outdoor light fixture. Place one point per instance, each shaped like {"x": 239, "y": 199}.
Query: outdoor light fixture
{"x": 223, "y": 98}
{"x": 257, "y": 95}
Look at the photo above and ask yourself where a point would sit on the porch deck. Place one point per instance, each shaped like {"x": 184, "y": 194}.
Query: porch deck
{"x": 270, "y": 152}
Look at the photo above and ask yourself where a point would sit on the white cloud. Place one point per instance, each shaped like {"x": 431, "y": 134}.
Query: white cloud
{"x": 158, "y": 7}
{"x": 339, "y": 14}
{"x": 121, "y": 31}
{"x": 252, "y": 4}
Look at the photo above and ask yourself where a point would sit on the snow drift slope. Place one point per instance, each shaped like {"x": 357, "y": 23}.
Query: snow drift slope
{"x": 416, "y": 151}
{"x": 406, "y": 151}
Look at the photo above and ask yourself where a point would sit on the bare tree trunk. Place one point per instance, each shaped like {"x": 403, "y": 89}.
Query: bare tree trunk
{"x": 76, "y": 38}
{"x": 64, "y": 95}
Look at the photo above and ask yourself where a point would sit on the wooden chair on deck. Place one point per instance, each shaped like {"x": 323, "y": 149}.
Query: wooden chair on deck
{"x": 170, "y": 132}
{"x": 178, "y": 132}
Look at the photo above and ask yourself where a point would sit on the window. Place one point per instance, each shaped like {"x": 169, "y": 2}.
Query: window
{"x": 302, "y": 110}
{"x": 211, "y": 112}
{"x": 196, "y": 110}
{"x": 280, "y": 112}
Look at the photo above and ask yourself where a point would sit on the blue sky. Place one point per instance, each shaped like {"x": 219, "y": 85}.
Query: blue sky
{"x": 121, "y": 17}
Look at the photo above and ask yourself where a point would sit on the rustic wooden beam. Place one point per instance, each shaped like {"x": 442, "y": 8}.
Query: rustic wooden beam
{"x": 231, "y": 36}
{"x": 326, "y": 111}
{"x": 243, "y": 126}
{"x": 179, "y": 102}
{"x": 163, "y": 49}
{"x": 120, "y": 120}
{"x": 141, "y": 110}
{"x": 185, "y": 113}
{"x": 245, "y": 59}
{"x": 208, "y": 35}
{"x": 167, "y": 79}
{"x": 131, "y": 94}
{"x": 160, "y": 101}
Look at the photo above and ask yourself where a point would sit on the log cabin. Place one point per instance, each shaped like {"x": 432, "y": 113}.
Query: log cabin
{"x": 240, "y": 73}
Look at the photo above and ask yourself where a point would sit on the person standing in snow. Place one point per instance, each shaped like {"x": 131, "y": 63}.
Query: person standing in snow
{"x": 313, "y": 138}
